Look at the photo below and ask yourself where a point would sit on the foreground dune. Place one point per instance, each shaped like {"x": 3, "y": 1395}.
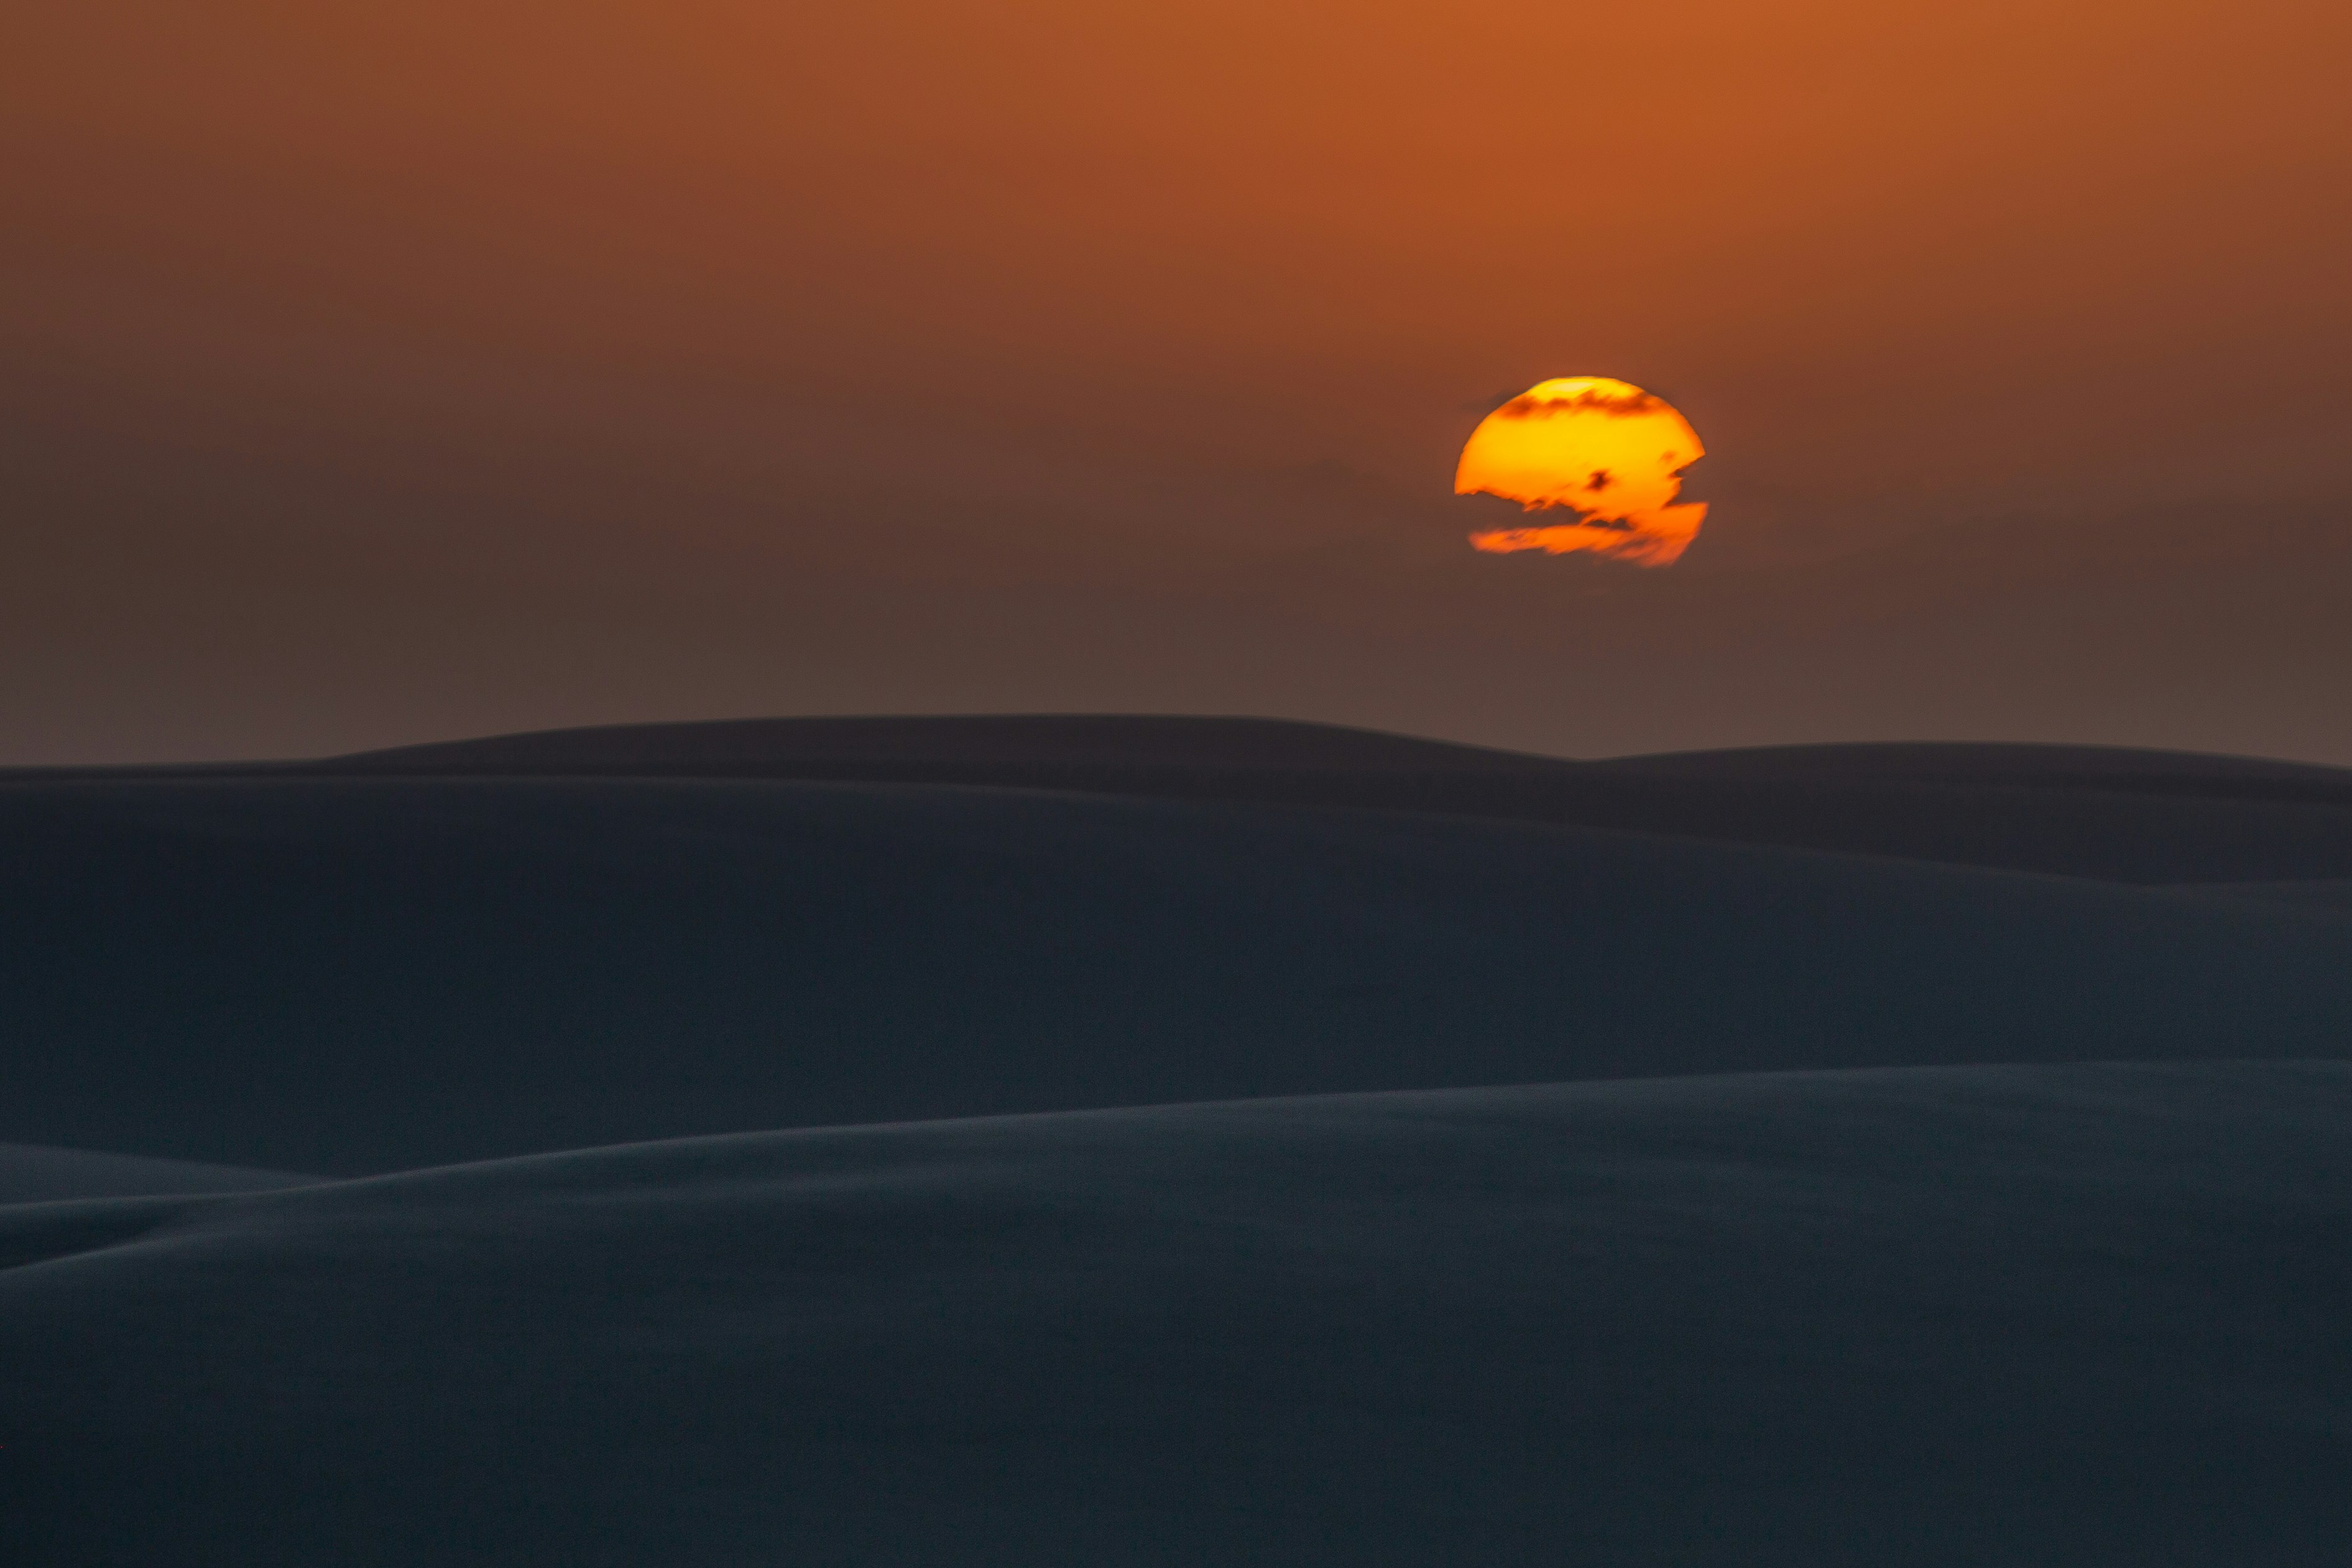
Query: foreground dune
{"x": 2081, "y": 1316}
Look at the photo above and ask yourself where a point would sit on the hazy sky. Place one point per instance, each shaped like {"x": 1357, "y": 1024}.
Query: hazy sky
{"x": 374, "y": 372}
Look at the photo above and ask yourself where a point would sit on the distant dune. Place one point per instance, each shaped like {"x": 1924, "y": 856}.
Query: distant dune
{"x": 2080, "y": 1316}
{"x": 2106, "y": 813}
{"x": 958, "y": 748}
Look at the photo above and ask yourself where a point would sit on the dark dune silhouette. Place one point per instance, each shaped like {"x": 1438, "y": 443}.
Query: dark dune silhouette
{"x": 966, "y": 749}
{"x": 962, "y": 749}
{"x": 2102, "y": 769}
{"x": 2087, "y": 1316}
{"x": 2107, "y": 813}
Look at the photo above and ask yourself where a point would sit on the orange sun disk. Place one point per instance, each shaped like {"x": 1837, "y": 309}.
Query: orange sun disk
{"x": 1604, "y": 450}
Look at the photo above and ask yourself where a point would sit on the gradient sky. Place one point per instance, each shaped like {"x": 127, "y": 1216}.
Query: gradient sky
{"x": 380, "y": 373}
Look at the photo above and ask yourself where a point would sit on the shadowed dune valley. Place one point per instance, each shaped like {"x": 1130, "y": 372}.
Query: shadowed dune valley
{"x": 1123, "y": 1140}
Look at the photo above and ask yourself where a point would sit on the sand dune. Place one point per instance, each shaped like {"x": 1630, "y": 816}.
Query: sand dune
{"x": 353, "y": 975}
{"x": 2105, "y": 812}
{"x": 2091, "y": 811}
{"x": 2328, "y": 895}
{"x": 30, "y": 1174}
{"x": 2081, "y": 1316}
{"x": 965, "y": 747}
{"x": 1806, "y": 1238}
{"x": 2100, "y": 769}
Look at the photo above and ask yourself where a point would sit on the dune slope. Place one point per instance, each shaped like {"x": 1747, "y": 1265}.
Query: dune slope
{"x": 33, "y": 1174}
{"x": 364, "y": 975}
{"x": 2082, "y": 1316}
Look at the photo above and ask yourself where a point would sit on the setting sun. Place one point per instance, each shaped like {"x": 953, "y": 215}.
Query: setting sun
{"x": 1604, "y": 450}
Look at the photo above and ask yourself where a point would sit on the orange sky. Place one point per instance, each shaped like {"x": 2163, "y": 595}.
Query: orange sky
{"x": 933, "y": 302}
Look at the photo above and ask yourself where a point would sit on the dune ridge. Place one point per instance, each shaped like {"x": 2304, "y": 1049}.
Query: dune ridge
{"x": 2111, "y": 813}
